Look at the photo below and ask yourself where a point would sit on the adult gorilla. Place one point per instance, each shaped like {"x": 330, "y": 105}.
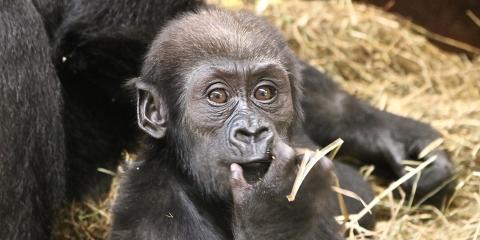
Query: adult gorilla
{"x": 64, "y": 113}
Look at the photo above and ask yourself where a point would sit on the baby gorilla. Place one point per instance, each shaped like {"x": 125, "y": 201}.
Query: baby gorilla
{"x": 218, "y": 97}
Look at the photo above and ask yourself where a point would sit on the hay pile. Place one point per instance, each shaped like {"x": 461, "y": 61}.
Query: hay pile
{"x": 380, "y": 58}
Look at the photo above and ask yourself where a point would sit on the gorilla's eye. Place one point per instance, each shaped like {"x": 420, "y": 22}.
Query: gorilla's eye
{"x": 218, "y": 96}
{"x": 265, "y": 93}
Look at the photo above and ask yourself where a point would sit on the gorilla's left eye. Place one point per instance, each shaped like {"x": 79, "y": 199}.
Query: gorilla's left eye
{"x": 265, "y": 93}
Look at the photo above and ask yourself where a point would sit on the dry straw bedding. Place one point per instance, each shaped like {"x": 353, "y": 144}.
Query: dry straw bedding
{"x": 385, "y": 60}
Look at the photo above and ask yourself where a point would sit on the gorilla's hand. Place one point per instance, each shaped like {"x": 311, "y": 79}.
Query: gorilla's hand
{"x": 387, "y": 140}
{"x": 372, "y": 135}
{"x": 261, "y": 210}
{"x": 391, "y": 139}
{"x": 406, "y": 140}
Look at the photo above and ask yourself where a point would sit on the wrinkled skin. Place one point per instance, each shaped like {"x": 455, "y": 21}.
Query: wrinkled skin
{"x": 243, "y": 129}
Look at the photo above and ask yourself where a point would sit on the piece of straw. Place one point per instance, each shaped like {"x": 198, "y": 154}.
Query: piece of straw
{"x": 392, "y": 187}
{"x": 430, "y": 147}
{"x": 309, "y": 161}
{"x": 296, "y": 184}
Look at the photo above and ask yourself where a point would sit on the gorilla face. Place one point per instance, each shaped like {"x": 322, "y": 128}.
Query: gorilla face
{"x": 235, "y": 112}
{"x": 222, "y": 93}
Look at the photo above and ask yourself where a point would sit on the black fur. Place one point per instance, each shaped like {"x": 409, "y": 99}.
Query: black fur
{"x": 98, "y": 45}
{"x": 55, "y": 134}
{"x": 32, "y": 150}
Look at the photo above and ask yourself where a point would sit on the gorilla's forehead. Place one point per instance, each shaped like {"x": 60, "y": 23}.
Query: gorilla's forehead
{"x": 240, "y": 70}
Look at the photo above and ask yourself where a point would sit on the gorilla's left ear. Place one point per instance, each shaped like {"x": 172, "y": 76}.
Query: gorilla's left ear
{"x": 151, "y": 110}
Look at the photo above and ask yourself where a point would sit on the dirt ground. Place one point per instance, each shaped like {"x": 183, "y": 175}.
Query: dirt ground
{"x": 385, "y": 60}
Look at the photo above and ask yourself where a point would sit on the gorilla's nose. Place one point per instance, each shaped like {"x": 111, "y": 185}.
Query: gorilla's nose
{"x": 252, "y": 135}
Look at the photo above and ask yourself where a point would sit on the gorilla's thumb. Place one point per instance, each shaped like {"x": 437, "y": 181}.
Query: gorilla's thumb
{"x": 237, "y": 182}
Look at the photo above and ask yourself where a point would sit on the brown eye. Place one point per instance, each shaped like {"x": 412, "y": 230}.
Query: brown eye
{"x": 265, "y": 93}
{"x": 218, "y": 96}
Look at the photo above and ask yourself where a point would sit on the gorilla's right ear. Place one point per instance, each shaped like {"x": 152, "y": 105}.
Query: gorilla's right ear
{"x": 151, "y": 110}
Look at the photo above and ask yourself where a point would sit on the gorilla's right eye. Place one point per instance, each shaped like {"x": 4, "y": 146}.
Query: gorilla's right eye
{"x": 218, "y": 96}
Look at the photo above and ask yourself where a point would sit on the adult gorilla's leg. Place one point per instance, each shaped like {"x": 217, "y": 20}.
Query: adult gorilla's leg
{"x": 370, "y": 134}
{"x": 31, "y": 130}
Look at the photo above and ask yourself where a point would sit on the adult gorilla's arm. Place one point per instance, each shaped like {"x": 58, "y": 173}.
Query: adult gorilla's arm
{"x": 371, "y": 135}
{"x": 31, "y": 130}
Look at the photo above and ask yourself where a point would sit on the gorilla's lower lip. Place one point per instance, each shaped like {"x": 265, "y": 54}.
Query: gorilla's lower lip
{"x": 263, "y": 160}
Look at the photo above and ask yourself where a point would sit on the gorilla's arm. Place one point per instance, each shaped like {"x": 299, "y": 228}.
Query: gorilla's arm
{"x": 156, "y": 204}
{"x": 372, "y": 135}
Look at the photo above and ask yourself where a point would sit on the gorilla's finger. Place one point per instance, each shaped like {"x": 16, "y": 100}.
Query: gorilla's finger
{"x": 439, "y": 173}
{"x": 325, "y": 164}
{"x": 283, "y": 163}
{"x": 237, "y": 182}
{"x": 283, "y": 151}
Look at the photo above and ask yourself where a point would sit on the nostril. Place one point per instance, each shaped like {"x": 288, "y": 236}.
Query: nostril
{"x": 249, "y": 136}
{"x": 262, "y": 133}
{"x": 243, "y": 135}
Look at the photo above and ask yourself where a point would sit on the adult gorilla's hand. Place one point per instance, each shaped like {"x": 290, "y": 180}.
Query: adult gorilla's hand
{"x": 372, "y": 135}
{"x": 262, "y": 211}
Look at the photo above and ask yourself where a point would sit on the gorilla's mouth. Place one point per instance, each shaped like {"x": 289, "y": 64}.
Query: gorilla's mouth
{"x": 254, "y": 170}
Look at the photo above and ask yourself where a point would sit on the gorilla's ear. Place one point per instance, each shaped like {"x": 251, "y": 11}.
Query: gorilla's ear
{"x": 151, "y": 110}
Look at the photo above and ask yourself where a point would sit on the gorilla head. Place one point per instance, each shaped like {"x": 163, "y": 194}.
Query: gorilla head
{"x": 219, "y": 94}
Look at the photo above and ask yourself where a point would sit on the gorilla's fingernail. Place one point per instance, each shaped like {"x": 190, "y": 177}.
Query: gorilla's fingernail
{"x": 326, "y": 163}
{"x": 236, "y": 171}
